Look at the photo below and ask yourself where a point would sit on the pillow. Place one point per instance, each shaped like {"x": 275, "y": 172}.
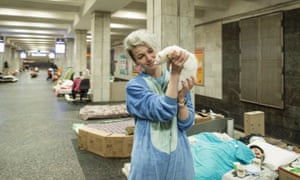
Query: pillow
{"x": 275, "y": 156}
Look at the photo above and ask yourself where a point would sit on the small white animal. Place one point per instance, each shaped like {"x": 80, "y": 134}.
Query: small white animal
{"x": 189, "y": 67}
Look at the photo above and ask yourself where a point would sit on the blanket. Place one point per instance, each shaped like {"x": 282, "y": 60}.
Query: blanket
{"x": 213, "y": 157}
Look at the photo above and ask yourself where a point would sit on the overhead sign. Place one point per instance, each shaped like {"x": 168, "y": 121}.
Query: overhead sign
{"x": 2, "y": 44}
{"x": 60, "y": 46}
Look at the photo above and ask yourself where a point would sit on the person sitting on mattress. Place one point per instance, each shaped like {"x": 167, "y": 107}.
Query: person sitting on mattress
{"x": 162, "y": 114}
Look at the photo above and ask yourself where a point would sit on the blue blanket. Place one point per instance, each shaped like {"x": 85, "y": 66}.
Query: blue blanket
{"x": 214, "y": 157}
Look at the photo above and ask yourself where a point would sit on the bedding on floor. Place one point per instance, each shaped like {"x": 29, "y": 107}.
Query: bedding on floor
{"x": 215, "y": 153}
{"x": 113, "y": 127}
{"x": 109, "y": 126}
{"x": 275, "y": 156}
{"x": 7, "y": 78}
{"x": 103, "y": 111}
{"x": 213, "y": 156}
{"x": 64, "y": 87}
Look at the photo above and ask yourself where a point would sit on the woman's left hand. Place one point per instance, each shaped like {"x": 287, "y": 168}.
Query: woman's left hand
{"x": 186, "y": 87}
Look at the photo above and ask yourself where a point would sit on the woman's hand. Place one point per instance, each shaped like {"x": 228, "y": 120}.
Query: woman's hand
{"x": 186, "y": 87}
{"x": 178, "y": 58}
{"x": 183, "y": 112}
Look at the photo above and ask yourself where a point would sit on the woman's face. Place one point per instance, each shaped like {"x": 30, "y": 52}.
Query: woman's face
{"x": 145, "y": 57}
{"x": 257, "y": 152}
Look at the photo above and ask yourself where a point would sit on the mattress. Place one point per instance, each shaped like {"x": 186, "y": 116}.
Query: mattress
{"x": 64, "y": 88}
{"x": 113, "y": 127}
{"x": 8, "y": 78}
{"x": 65, "y": 91}
{"x": 103, "y": 111}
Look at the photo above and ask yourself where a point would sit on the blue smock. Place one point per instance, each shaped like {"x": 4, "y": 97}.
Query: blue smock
{"x": 161, "y": 150}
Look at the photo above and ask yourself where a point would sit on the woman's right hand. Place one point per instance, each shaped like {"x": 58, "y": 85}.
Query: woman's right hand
{"x": 178, "y": 58}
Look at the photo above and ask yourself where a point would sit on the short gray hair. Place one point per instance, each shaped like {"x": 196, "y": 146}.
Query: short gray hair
{"x": 139, "y": 38}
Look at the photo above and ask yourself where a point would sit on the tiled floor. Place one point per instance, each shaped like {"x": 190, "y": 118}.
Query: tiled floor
{"x": 36, "y": 139}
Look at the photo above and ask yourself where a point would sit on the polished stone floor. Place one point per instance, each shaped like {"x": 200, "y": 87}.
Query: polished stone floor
{"x": 36, "y": 137}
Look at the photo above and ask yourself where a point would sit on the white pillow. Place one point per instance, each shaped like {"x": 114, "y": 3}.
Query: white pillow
{"x": 275, "y": 156}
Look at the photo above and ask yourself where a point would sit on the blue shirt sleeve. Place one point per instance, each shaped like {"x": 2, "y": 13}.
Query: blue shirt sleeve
{"x": 184, "y": 124}
{"x": 141, "y": 102}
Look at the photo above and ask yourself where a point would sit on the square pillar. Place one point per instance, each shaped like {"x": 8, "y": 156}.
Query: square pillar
{"x": 100, "y": 56}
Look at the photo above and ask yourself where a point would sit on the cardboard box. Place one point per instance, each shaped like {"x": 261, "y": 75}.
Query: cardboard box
{"x": 103, "y": 143}
{"x": 254, "y": 122}
{"x": 200, "y": 119}
{"x": 289, "y": 173}
{"x": 118, "y": 91}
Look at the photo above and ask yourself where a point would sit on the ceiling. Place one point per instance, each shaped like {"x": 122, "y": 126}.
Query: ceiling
{"x": 34, "y": 25}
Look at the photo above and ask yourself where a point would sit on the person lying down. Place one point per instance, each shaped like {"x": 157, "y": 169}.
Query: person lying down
{"x": 258, "y": 152}
{"x": 215, "y": 153}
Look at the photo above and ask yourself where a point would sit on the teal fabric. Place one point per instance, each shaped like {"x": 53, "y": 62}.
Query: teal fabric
{"x": 214, "y": 157}
{"x": 154, "y": 156}
{"x": 163, "y": 134}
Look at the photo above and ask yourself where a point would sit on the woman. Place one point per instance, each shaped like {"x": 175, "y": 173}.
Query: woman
{"x": 162, "y": 113}
{"x": 258, "y": 152}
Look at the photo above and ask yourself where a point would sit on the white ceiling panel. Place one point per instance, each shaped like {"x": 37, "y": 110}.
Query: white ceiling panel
{"x": 32, "y": 25}
{"x": 42, "y": 21}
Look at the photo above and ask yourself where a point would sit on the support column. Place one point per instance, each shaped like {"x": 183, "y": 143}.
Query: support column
{"x": 1, "y": 62}
{"x": 80, "y": 49}
{"x": 18, "y": 60}
{"x": 173, "y": 23}
{"x": 7, "y": 57}
{"x": 69, "y": 53}
{"x": 100, "y": 56}
{"x": 60, "y": 59}
{"x": 187, "y": 29}
{"x": 14, "y": 59}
